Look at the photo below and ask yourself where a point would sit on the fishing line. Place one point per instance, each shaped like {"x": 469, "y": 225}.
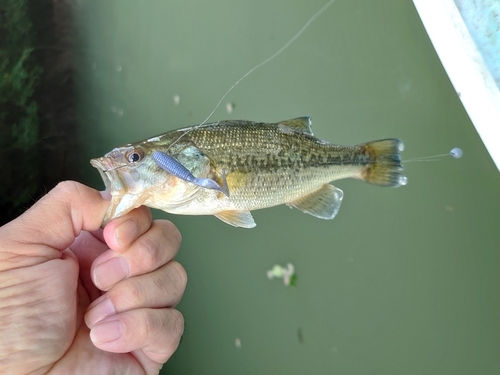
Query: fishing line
{"x": 115, "y": 168}
{"x": 455, "y": 153}
{"x": 276, "y": 54}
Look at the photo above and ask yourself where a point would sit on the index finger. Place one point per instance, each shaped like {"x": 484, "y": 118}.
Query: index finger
{"x": 147, "y": 253}
{"x": 121, "y": 232}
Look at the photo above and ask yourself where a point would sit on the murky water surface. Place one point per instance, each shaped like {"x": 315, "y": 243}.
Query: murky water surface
{"x": 403, "y": 281}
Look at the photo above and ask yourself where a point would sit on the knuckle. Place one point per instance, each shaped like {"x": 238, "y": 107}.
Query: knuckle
{"x": 148, "y": 253}
{"x": 176, "y": 322}
{"x": 142, "y": 214}
{"x": 64, "y": 190}
{"x": 179, "y": 274}
{"x": 163, "y": 334}
{"x": 155, "y": 323}
{"x": 169, "y": 322}
{"x": 172, "y": 233}
{"x": 68, "y": 188}
{"x": 134, "y": 294}
{"x": 161, "y": 285}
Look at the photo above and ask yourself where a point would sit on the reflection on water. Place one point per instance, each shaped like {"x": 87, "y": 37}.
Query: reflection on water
{"x": 402, "y": 280}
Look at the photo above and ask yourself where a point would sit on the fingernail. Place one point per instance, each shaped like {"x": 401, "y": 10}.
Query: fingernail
{"x": 125, "y": 233}
{"x": 99, "y": 311}
{"x": 110, "y": 272}
{"x": 106, "y": 332}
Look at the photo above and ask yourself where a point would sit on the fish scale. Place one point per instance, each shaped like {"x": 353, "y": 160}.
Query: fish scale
{"x": 245, "y": 150}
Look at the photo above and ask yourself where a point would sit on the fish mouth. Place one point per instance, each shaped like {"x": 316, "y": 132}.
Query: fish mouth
{"x": 102, "y": 165}
{"x": 111, "y": 182}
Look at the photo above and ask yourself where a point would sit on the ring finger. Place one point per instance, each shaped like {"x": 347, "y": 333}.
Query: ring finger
{"x": 161, "y": 288}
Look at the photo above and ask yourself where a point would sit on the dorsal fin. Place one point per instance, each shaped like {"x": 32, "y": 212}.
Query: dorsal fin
{"x": 301, "y": 124}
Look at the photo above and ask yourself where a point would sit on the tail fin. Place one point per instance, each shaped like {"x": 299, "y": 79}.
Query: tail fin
{"x": 385, "y": 163}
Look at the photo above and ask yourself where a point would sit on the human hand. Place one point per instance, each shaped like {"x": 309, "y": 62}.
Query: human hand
{"x": 54, "y": 263}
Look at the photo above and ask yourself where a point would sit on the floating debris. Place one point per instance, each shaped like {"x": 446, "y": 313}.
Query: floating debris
{"x": 230, "y": 107}
{"x": 237, "y": 342}
{"x": 288, "y": 274}
{"x": 177, "y": 99}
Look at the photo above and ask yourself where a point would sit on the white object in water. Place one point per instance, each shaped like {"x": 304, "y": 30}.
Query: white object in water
{"x": 282, "y": 272}
{"x": 456, "y": 152}
{"x": 177, "y": 99}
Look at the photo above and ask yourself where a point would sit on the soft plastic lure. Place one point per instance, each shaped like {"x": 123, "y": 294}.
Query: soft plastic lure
{"x": 172, "y": 166}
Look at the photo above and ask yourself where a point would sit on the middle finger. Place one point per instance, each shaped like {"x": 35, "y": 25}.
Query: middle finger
{"x": 161, "y": 288}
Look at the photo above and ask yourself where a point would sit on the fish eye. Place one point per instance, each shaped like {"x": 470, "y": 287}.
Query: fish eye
{"x": 135, "y": 155}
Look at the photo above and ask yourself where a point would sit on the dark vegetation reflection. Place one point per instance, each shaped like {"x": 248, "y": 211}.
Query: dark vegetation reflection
{"x": 37, "y": 126}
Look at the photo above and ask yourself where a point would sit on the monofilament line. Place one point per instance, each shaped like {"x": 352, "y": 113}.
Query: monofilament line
{"x": 455, "y": 153}
{"x": 311, "y": 20}
{"x": 294, "y": 38}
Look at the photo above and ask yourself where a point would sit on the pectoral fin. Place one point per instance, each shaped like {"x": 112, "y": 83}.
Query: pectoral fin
{"x": 323, "y": 203}
{"x": 241, "y": 219}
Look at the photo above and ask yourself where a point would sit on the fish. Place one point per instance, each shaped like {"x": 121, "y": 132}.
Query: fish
{"x": 230, "y": 168}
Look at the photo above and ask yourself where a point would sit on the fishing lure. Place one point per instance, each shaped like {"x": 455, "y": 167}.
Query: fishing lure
{"x": 172, "y": 166}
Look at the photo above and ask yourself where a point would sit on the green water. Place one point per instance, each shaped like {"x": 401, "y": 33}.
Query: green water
{"x": 402, "y": 281}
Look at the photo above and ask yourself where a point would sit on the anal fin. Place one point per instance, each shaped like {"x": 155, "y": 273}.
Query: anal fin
{"x": 241, "y": 219}
{"x": 323, "y": 203}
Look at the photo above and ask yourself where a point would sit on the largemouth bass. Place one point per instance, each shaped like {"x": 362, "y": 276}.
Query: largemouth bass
{"x": 229, "y": 168}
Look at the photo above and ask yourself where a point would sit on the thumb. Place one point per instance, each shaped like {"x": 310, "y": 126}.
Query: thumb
{"x": 51, "y": 225}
